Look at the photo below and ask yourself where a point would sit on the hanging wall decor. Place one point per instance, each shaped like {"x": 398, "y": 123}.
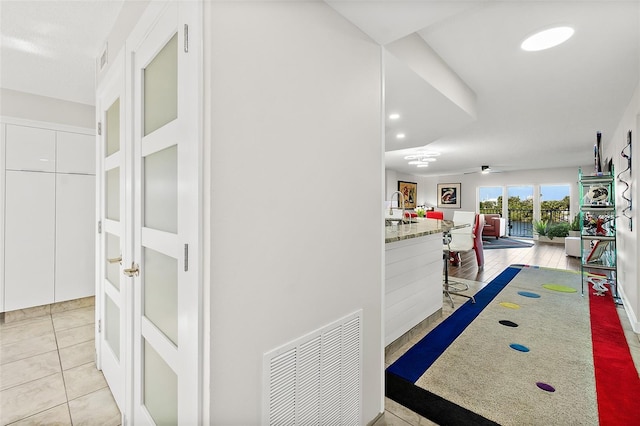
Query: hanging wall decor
{"x": 597, "y": 153}
{"x": 449, "y": 195}
{"x": 626, "y": 193}
{"x": 409, "y": 191}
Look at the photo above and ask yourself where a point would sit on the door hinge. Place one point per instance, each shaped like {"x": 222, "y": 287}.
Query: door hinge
{"x": 99, "y": 227}
{"x": 186, "y": 257}
{"x": 186, "y": 38}
{"x": 99, "y": 128}
{"x": 99, "y": 326}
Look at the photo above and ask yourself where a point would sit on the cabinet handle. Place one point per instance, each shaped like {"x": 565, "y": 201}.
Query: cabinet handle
{"x": 134, "y": 271}
{"x": 115, "y": 259}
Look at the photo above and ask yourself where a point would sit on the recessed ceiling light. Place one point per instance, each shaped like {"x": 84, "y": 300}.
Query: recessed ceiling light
{"x": 428, "y": 159}
{"x": 400, "y": 136}
{"x": 547, "y": 38}
{"x": 394, "y": 116}
{"x": 423, "y": 165}
{"x": 411, "y": 157}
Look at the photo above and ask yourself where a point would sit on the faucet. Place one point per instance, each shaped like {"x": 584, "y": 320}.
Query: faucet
{"x": 400, "y": 200}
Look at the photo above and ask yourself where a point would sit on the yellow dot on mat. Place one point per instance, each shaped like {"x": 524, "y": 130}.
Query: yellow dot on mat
{"x": 560, "y": 288}
{"x": 510, "y": 305}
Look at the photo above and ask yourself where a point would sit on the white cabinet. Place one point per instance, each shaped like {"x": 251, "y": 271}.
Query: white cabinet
{"x": 75, "y": 153}
{"x": 49, "y": 216}
{"x": 75, "y": 227}
{"x": 29, "y": 239}
{"x": 30, "y": 148}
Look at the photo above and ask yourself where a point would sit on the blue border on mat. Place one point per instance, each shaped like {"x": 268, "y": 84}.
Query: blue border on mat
{"x": 412, "y": 365}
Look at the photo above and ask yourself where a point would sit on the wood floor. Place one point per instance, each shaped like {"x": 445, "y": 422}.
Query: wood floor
{"x": 496, "y": 260}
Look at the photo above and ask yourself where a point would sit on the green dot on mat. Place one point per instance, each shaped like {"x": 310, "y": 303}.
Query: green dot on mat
{"x": 559, "y": 287}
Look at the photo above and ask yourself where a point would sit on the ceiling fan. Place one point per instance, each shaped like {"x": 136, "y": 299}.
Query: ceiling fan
{"x": 485, "y": 170}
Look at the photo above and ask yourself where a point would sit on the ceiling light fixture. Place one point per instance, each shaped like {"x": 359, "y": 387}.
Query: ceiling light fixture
{"x": 547, "y": 39}
{"x": 394, "y": 116}
{"x": 400, "y": 136}
{"x": 423, "y": 165}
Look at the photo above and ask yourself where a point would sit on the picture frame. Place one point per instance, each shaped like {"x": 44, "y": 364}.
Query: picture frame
{"x": 409, "y": 191}
{"x": 449, "y": 195}
{"x": 595, "y": 255}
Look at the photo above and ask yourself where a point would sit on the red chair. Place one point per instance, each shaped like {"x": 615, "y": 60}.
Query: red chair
{"x": 435, "y": 215}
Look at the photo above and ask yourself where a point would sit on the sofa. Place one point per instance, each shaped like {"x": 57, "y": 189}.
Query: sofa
{"x": 494, "y": 226}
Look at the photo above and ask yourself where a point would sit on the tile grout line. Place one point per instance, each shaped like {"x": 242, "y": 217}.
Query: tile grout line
{"x": 64, "y": 381}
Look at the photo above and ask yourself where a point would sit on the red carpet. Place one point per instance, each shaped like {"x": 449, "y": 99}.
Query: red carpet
{"x": 617, "y": 382}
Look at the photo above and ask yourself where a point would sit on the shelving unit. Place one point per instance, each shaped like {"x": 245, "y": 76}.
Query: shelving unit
{"x": 598, "y": 231}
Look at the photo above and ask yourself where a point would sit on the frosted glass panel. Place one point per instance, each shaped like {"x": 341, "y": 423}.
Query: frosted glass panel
{"x": 113, "y": 194}
{"x": 160, "y": 388}
{"x": 161, "y": 292}
{"x": 112, "y": 326}
{"x": 113, "y": 251}
{"x": 113, "y": 128}
{"x": 161, "y": 88}
{"x": 161, "y": 190}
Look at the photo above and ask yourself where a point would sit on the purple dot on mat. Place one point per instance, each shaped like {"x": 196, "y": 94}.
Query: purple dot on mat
{"x": 519, "y": 347}
{"x": 529, "y": 294}
{"x": 545, "y": 387}
{"x": 508, "y": 323}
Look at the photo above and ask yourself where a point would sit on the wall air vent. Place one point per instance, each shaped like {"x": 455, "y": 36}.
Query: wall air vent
{"x": 316, "y": 379}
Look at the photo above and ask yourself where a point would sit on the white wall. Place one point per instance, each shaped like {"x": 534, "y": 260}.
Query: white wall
{"x": 26, "y": 106}
{"x": 627, "y": 239}
{"x": 293, "y": 113}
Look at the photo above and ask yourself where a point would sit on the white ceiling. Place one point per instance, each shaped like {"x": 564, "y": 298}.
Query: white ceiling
{"x": 49, "y": 48}
{"x": 532, "y": 110}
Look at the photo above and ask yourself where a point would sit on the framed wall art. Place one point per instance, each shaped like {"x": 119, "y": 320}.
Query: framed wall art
{"x": 409, "y": 191}
{"x": 449, "y": 195}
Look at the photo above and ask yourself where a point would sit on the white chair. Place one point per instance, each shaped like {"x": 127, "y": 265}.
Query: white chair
{"x": 461, "y": 240}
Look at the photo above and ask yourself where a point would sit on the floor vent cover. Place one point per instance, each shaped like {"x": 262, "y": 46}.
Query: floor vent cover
{"x": 317, "y": 379}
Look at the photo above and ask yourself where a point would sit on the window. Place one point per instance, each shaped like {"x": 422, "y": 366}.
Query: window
{"x": 520, "y": 207}
{"x": 555, "y": 203}
{"x": 490, "y": 199}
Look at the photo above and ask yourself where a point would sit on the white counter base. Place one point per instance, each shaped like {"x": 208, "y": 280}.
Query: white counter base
{"x": 413, "y": 283}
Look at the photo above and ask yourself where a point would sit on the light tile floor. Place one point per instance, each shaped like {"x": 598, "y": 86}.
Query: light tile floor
{"x": 397, "y": 415}
{"x": 48, "y": 373}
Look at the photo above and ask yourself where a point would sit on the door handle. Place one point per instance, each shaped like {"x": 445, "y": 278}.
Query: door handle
{"x": 134, "y": 271}
{"x": 115, "y": 259}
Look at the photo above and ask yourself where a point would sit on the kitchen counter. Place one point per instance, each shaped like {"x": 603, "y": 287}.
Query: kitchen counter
{"x": 420, "y": 228}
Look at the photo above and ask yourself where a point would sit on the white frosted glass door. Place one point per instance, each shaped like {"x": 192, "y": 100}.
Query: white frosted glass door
{"x": 166, "y": 339}
{"x": 114, "y": 244}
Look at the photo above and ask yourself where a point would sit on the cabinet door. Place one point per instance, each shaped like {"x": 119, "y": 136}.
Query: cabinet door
{"x": 29, "y": 148}
{"x": 75, "y": 236}
{"x": 29, "y": 239}
{"x": 75, "y": 153}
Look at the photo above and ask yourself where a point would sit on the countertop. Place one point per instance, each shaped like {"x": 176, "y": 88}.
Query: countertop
{"x": 420, "y": 228}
